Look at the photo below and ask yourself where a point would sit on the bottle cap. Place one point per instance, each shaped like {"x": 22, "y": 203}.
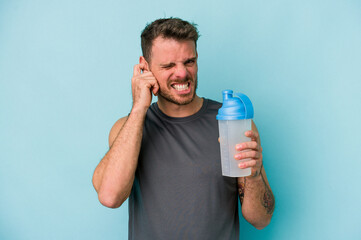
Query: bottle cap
{"x": 235, "y": 108}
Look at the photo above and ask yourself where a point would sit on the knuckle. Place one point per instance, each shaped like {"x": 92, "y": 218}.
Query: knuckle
{"x": 240, "y": 146}
{"x": 251, "y": 163}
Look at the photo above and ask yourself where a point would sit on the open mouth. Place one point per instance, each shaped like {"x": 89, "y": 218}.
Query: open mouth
{"x": 180, "y": 87}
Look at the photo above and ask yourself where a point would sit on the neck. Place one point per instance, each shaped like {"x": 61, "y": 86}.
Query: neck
{"x": 174, "y": 110}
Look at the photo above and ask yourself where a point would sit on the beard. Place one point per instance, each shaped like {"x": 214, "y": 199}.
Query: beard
{"x": 185, "y": 99}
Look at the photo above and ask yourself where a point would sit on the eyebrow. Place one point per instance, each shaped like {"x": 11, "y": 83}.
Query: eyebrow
{"x": 191, "y": 59}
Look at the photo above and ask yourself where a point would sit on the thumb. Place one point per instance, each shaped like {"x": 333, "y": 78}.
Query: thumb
{"x": 155, "y": 88}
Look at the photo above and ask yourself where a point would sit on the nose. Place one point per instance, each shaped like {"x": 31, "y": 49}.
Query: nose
{"x": 180, "y": 72}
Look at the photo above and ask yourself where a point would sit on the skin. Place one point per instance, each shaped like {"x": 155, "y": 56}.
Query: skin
{"x": 173, "y": 63}
{"x": 255, "y": 193}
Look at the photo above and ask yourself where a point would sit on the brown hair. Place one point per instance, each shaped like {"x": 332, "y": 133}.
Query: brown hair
{"x": 174, "y": 28}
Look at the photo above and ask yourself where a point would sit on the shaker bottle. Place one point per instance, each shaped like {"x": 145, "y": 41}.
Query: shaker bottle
{"x": 234, "y": 119}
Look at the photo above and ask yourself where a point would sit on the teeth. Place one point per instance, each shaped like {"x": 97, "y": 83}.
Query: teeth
{"x": 180, "y": 87}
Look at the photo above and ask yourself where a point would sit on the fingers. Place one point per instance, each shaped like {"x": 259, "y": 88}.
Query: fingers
{"x": 248, "y": 164}
{"x": 155, "y": 88}
{"x": 145, "y": 77}
{"x": 254, "y": 163}
{"x": 250, "y": 153}
{"x": 137, "y": 70}
{"x": 247, "y": 154}
{"x": 256, "y": 167}
{"x": 248, "y": 145}
{"x": 250, "y": 156}
{"x": 143, "y": 85}
{"x": 252, "y": 134}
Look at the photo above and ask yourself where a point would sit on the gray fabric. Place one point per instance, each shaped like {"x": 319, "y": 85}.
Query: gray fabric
{"x": 179, "y": 191}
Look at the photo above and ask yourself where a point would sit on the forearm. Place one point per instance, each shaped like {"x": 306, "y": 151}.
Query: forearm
{"x": 113, "y": 178}
{"x": 257, "y": 200}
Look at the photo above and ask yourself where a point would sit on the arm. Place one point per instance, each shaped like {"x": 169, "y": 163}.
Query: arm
{"x": 113, "y": 177}
{"x": 255, "y": 193}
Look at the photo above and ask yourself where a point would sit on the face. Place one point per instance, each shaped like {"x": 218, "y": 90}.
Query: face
{"x": 174, "y": 64}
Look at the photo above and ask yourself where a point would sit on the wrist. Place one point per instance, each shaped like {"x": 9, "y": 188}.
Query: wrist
{"x": 139, "y": 110}
{"x": 255, "y": 179}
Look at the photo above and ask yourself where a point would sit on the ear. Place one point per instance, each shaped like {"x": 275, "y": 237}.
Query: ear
{"x": 144, "y": 64}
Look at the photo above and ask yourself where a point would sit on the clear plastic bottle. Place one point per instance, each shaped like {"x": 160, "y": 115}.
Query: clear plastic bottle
{"x": 234, "y": 119}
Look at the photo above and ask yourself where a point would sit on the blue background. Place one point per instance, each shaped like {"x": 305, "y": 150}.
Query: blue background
{"x": 65, "y": 69}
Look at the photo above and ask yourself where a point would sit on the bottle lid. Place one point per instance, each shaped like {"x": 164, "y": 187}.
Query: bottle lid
{"x": 235, "y": 108}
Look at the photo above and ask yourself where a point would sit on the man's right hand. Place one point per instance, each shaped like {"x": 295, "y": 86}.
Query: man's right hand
{"x": 143, "y": 85}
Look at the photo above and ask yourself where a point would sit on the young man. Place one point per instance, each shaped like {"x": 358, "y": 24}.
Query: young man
{"x": 165, "y": 156}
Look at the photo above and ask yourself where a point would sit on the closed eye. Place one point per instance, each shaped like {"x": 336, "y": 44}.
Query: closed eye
{"x": 168, "y": 66}
{"x": 190, "y": 62}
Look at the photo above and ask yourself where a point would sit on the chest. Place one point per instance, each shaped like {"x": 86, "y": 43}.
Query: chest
{"x": 188, "y": 150}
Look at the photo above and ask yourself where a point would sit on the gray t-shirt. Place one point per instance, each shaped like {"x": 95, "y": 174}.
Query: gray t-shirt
{"x": 179, "y": 191}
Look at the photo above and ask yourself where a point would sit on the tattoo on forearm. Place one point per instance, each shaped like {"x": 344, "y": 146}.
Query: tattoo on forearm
{"x": 241, "y": 186}
{"x": 268, "y": 202}
{"x": 268, "y": 199}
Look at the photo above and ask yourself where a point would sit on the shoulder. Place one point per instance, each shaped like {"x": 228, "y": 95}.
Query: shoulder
{"x": 116, "y": 128}
{"x": 213, "y": 105}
